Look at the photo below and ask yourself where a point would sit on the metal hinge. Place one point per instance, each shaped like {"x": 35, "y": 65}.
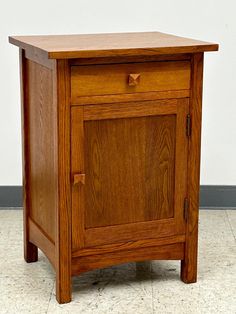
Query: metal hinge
{"x": 186, "y": 207}
{"x": 188, "y": 125}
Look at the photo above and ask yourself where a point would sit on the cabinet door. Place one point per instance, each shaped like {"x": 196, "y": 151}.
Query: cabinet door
{"x": 134, "y": 158}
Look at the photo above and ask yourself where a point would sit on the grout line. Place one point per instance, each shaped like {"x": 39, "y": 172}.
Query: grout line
{"x": 216, "y": 208}
{"x": 50, "y": 298}
{"x": 151, "y": 271}
{"x": 200, "y": 207}
{"x": 11, "y": 207}
{"x": 231, "y": 227}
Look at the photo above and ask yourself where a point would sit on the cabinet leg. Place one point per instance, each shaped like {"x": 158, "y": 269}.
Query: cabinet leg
{"x": 30, "y": 252}
{"x": 189, "y": 266}
{"x": 63, "y": 289}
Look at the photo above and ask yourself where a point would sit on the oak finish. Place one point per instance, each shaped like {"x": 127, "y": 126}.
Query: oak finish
{"x": 63, "y": 217}
{"x": 111, "y": 127}
{"x": 30, "y": 250}
{"x": 109, "y": 45}
{"x": 130, "y": 59}
{"x": 114, "y": 79}
{"x": 189, "y": 264}
{"x": 134, "y": 79}
{"x": 86, "y": 263}
{"x": 145, "y": 146}
{"x": 131, "y": 97}
{"x": 41, "y": 239}
{"x": 121, "y": 246}
{"x": 135, "y": 230}
{"x": 41, "y": 127}
{"x": 127, "y": 110}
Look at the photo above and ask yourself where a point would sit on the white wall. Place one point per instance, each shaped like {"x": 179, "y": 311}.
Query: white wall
{"x": 211, "y": 20}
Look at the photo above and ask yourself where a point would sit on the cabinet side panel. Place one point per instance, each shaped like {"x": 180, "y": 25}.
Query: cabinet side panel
{"x": 30, "y": 250}
{"x": 42, "y": 147}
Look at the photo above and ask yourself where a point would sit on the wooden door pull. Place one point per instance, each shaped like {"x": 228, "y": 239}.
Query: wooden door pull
{"x": 79, "y": 178}
{"x": 134, "y": 79}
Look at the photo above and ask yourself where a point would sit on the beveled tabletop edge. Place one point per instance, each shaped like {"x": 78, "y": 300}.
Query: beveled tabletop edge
{"x": 110, "y": 44}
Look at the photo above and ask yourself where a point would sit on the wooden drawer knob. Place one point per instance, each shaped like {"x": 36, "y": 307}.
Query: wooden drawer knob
{"x": 134, "y": 79}
{"x": 79, "y": 178}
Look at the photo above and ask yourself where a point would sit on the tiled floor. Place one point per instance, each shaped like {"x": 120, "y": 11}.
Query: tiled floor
{"x": 148, "y": 287}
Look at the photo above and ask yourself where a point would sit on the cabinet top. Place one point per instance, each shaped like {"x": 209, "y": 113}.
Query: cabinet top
{"x": 110, "y": 45}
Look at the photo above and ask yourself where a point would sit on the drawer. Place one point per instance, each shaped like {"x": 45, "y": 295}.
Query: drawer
{"x": 95, "y": 80}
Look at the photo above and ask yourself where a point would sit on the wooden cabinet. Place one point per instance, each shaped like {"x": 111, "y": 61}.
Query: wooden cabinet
{"x": 111, "y": 142}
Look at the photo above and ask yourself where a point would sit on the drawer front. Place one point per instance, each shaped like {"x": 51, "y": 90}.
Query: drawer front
{"x": 95, "y": 80}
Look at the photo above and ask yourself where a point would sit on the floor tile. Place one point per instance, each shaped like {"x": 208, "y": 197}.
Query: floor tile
{"x": 145, "y": 287}
{"x": 24, "y": 295}
{"x": 206, "y": 296}
{"x": 214, "y": 228}
{"x": 217, "y": 262}
{"x": 232, "y": 220}
{"x": 122, "y": 289}
{"x": 165, "y": 270}
{"x": 12, "y": 263}
{"x": 11, "y": 249}
{"x": 170, "y": 295}
{"x": 11, "y": 226}
{"x": 217, "y": 247}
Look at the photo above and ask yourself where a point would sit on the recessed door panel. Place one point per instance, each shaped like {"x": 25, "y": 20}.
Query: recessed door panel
{"x": 129, "y": 168}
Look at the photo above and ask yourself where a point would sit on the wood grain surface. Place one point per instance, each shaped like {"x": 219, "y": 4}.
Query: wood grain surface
{"x": 114, "y": 79}
{"x": 189, "y": 263}
{"x": 129, "y": 170}
{"x": 77, "y": 166}
{"x": 30, "y": 250}
{"x": 86, "y": 263}
{"x": 107, "y": 45}
{"x": 63, "y": 217}
{"x": 130, "y": 59}
{"x": 130, "y": 97}
{"x": 122, "y": 246}
{"x": 135, "y": 182}
{"x": 41, "y": 239}
{"x": 41, "y": 136}
{"x": 130, "y": 109}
